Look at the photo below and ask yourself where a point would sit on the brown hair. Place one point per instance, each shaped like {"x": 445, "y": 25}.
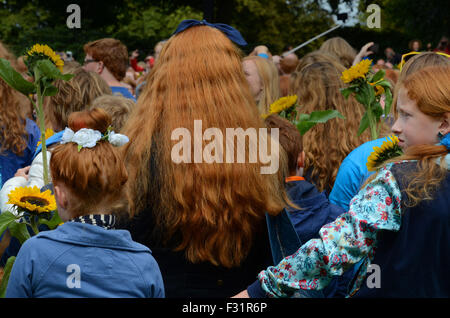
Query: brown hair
{"x": 118, "y": 107}
{"x": 318, "y": 86}
{"x": 340, "y": 48}
{"x": 290, "y": 139}
{"x": 74, "y": 95}
{"x": 227, "y": 202}
{"x": 112, "y": 53}
{"x": 95, "y": 176}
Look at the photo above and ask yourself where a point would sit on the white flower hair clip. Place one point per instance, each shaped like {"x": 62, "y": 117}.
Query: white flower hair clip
{"x": 88, "y": 138}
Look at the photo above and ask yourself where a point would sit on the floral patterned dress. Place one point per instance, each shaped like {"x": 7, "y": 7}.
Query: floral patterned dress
{"x": 346, "y": 241}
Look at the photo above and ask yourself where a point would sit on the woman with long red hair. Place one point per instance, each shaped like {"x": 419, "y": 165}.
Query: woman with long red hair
{"x": 19, "y": 135}
{"x": 204, "y": 222}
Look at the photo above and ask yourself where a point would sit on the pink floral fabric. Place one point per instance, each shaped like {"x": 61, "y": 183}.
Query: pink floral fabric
{"x": 346, "y": 241}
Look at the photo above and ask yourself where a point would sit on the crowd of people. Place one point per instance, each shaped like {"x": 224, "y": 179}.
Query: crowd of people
{"x": 138, "y": 224}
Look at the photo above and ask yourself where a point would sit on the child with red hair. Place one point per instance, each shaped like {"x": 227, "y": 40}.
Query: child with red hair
{"x": 86, "y": 256}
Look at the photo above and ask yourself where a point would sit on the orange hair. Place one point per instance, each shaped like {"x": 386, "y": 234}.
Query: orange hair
{"x": 215, "y": 209}
{"x": 95, "y": 176}
{"x": 317, "y": 86}
{"x": 13, "y": 134}
{"x": 429, "y": 88}
{"x": 112, "y": 53}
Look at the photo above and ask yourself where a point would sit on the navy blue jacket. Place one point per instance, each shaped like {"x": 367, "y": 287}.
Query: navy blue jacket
{"x": 316, "y": 211}
{"x": 415, "y": 261}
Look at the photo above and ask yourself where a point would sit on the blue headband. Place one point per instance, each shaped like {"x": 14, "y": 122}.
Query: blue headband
{"x": 233, "y": 34}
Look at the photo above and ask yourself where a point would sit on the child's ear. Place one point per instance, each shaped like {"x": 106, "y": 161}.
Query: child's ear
{"x": 444, "y": 127}
{"x": 61, "y": 196}
{"x": 301, "y": 159}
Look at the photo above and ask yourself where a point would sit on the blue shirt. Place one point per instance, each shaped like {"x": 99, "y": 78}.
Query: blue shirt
{"x": 10, "y": 162}
{"x": 352, "y": 174}
{"x": 84, "y": 260}
{"x": 55, "y": 138}
{"x": 122, "y": 91}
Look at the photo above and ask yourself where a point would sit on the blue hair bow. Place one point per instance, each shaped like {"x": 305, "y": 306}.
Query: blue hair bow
{"x": 445, "y": 141}
{"x": 233, "y": 34}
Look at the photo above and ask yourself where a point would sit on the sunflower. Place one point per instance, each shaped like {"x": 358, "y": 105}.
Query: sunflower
{"x": 45, "y": 50}
{"x": 356, "y": 71}
{"x": 282, "y": 103}
{"x": 388, "y": 150}
{"x": 31, "y": 199}
{"x": 48, "y": 133}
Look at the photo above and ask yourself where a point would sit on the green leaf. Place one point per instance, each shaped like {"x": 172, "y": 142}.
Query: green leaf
{"x": 50, "y": 90}
{"x": 53, "y": 222}
{"x": 364, "y": 124}
{"x": 346, "y": 91}
{"x": 6, "y": 218}
{"x": 325, "y": 115}
{"x": 304, "y": 126}
{"x": 307, "y": 121}
{"x": 377, "y": 111}
{"x": 384, "y": 83}
{"x": 387, "y": 101}
{"x": 14, "y": 79}
{"x": 50, "y": 71}
{"x": 19, "y": 231}
{"x": 379, "y": 75}
{"x": 6, "y": 274}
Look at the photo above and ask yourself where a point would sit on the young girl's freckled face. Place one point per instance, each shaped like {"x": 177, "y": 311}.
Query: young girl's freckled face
{"x": 412, "y": 126}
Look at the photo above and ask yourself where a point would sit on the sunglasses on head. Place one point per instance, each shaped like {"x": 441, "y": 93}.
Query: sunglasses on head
{"x": 407, "y": 56}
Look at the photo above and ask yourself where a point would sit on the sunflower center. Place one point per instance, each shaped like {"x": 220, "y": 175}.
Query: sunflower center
{"x": 41, "y": 202}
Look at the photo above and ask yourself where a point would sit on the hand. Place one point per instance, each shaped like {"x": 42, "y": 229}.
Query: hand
{"x": 23, "y": 172}
{"x": 134, "y": 54}
{"x": 242, "y": 294}
{"x": 363, "y": 53}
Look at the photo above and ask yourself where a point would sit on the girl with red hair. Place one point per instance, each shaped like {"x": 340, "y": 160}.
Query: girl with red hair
{"x": 86, "y": 256}
{"x": 398, "y": 224}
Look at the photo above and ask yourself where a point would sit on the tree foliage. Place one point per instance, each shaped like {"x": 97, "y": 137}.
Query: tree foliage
{"x": 140, "y": 24}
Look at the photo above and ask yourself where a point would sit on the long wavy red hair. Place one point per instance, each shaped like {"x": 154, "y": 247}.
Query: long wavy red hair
{"x": 317, "y": 86}
{"x": 13, "y": 134}
{"x": 215, "y": 208}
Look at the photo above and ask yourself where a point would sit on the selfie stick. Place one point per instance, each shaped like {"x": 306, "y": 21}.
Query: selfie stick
{"x": 309, "y": 41}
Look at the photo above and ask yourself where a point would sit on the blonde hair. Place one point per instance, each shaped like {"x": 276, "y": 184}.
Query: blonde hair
{"x": 216, "y": 210}
{"x": 118, "y": 107}
{"x": 268, "y": 74}
{"x": 317, "y": 86}
{"x": 73, "y": 95}
{"x": 340, "y": 48}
